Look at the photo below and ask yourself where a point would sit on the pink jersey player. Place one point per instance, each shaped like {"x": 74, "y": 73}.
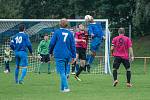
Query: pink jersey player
{"x": 81, "y": 38}
{"x": 121, "y": 46}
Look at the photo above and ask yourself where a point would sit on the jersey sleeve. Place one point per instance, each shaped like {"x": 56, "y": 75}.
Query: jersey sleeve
{"x": 39, "y": 48}
{"x": 12, "y": 44}
{"x": 129, "y": 43}
{"x": 90, "y": 30}
{"x": 53, "y": 42}
{"x": 28, "y": 43}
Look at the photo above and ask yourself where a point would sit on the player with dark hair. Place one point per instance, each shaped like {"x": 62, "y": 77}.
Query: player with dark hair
{"x": 96, "y": 33}
{"x": 122, "y": 52}
{"x": 63, "y": 45}
{"x": 43, "y": 51}
{"x": 18, "y": 44}
{"x": 81, "y": 39}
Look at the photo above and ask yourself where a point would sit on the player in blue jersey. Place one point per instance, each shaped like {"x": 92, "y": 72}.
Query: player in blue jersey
{"x": 19, "y": 44}
{"x": 96, "y": 33}
{"x": 62, "y": 45}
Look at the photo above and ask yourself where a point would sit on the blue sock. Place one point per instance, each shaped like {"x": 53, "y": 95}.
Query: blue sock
{"x": 88, "y": 58}
{"x": 64, "y": 82}
{"x": 68, "y": 69}
{"x": 48, "y": 67}
{"x": 24, "y": 71}
{"x": 91, "y": 59}
{"x": 16, "y": 74}
{"x": 77, "y": 67}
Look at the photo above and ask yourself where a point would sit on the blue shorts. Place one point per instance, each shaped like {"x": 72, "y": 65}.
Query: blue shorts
{"x": 21, "y": 58}
{"x": 95, "y": 44}
{"x": 62, "y": 65}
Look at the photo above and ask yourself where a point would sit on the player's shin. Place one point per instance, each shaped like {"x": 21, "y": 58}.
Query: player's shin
{"x": 24, "y": 71}
{"x": 64, "y": 82}
{"x": 115, "y": 74}
{"x": 39, "y": 67}
{"x": 48, "y": 67}
{"x": 73, "y": 67}
{"x": 128, "y": 75}
{"x": 16, "y": 74}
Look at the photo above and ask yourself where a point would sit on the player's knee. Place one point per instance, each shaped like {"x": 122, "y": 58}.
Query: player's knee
{"x": 128, "y": 69}
{"x": 74, "y": 63}
{"x": 114, "y": 69}
{"x": 93, "y": 54}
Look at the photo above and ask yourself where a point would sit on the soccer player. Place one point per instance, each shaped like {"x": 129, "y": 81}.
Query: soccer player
{"x": 18, "y": 44}
{"x": 43, "y": 51}
{"x": 122, "y": 52}
{"x": 63, "y": 45}
{"x": 81, "y": 39}
{"x": 95, "y": 31}
{"x": 7, "y": 58}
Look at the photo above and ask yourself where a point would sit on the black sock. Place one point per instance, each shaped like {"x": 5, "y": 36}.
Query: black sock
{"x": 128, "y": 75}
{"x": 115, "y": 74}
{"x": 88, "y": 67}
{"x": 79, "y": 71}
{"x": 73, "y": 66}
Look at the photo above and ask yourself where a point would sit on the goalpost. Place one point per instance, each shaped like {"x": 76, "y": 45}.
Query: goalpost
{"x": 36, "y": 27}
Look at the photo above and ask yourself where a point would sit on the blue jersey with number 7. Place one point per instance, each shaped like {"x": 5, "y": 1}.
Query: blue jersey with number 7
{"x": 21, "y": 42}
{"x": 63, "y": 44}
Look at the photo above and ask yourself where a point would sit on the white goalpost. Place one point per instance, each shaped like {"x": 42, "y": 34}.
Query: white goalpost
{"x": 35, "y": 27}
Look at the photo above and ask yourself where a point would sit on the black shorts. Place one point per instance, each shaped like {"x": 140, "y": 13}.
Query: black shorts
{"x": 118, "y": 61}
{"x": 82, "y": 53}
{"x": 45, "y": 58}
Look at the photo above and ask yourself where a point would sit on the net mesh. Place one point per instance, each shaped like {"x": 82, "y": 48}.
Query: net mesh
{"x": 36, "y": 29}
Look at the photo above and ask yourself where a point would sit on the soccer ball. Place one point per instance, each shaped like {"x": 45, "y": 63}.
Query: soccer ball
{"x": 88, "y": 18}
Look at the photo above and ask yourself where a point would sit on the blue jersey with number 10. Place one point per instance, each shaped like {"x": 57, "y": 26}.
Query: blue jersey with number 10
{"x": 63, "y": 44}
{"x": 21, "y": 42}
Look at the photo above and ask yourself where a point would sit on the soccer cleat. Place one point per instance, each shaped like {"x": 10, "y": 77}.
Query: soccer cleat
{"x": 88, "y": 68}
{"x": 68, "y": 76}
{"x": 17, "y": 82}
{"x": 6, "y": 71}
{"x": 77, "y": 78}
{"x": 66, "y": 90}
{"x": 73, "y": 73}
{"x": 115, "y": 83}
{"x": 21, "y": 82}
{"x": 129, "y": 85}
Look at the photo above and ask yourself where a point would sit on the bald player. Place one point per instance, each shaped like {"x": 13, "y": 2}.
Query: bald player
{"x": 62, "y": 45}
{"x": 122, "y": 52}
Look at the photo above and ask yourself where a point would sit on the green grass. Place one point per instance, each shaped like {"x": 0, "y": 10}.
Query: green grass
{"x": 141, "y": 46}
{"x": 92, "y": 86}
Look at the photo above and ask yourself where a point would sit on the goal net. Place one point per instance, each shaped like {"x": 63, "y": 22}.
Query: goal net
{"x": 36, "y": 28}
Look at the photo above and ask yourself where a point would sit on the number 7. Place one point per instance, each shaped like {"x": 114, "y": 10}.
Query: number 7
{"x": 65, "y": 36}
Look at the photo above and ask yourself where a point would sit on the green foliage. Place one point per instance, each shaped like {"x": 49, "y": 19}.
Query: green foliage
{"x": 141, "y": 19}
{"x": 120, "y": 13}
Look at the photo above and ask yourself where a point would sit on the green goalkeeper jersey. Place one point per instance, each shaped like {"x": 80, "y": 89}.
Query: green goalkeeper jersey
{"x": 43, "y": 47}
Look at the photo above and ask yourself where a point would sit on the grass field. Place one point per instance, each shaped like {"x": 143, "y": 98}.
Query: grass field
{"x": 92, "y": 87}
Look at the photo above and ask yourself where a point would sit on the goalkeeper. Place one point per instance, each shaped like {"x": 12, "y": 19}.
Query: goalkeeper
{"x": 43, "y": 52}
